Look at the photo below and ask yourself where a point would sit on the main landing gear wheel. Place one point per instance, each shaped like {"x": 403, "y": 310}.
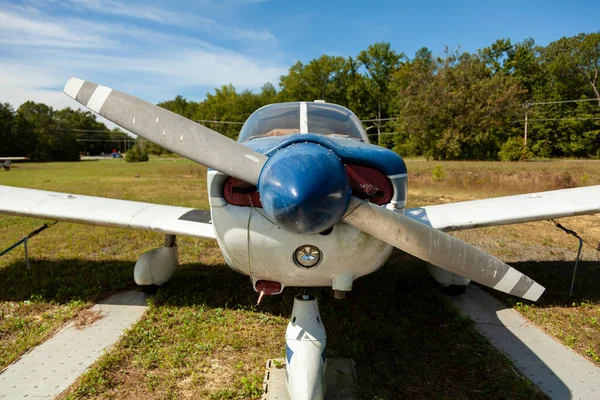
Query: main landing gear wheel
{"x": 155, "y": 267}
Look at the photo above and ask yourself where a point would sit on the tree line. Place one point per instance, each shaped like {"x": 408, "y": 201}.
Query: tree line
{"x": 37, "y": 131}
{"x": 454, "y": 106}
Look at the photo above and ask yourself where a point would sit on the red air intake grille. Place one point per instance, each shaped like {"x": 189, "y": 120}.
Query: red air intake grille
{"x": 366, "y": 183}
{"x": 240, "y": 193}
{"x": 369, "y": 183}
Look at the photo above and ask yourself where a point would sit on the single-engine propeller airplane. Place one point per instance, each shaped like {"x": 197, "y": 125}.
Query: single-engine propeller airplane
{"x": 301, "y": 199}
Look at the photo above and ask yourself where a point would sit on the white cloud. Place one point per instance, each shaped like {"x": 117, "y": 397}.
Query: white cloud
{"x": 40, "y": 51}
{"x": 134, "y": 11}
{"x": 245, "y": 1}
{"x": 19, "y": 83}
{"x": 18, "y": 29}
{"x": 165, "y": 17}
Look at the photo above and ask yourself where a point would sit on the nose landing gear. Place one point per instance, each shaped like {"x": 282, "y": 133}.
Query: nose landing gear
{"x": 305, "y": 346}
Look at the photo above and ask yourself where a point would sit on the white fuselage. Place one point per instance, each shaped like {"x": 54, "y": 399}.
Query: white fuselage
{"x": 254, "y": 246}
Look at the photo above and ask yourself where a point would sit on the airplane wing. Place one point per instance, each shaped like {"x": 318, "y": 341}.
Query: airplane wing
{"x": 106, "y": 212}
{"x": 509, "y": 210}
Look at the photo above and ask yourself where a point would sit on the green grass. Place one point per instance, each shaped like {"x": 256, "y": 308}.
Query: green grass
{"x": 73, "y": 266}
{"x": 203, "y": 336}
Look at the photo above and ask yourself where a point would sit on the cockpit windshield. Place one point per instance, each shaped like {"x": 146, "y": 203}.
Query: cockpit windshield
{"x": 302, "y": 117}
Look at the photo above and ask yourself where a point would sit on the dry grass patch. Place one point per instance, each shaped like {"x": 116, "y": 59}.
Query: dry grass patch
{"x": 87, "y": 317}
{"x": 471, "y": 180}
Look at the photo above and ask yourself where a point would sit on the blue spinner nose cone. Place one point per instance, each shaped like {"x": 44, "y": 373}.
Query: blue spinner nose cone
{"x": 304, "y": 188}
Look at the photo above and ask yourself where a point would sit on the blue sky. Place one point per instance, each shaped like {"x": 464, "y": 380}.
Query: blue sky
{"x": 158, "y": 49}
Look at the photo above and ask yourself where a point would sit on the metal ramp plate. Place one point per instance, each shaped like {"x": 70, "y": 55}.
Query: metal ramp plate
{"x": 341, "y": 380}
{"x": 54, "y": 365}
{"x": 555, "y": 369}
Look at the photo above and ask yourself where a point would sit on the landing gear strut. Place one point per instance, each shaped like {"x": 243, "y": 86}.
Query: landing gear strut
{"x": 306, "y": 360}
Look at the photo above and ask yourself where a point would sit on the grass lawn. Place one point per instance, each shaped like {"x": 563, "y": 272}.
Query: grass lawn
{"x": 203, "y": 336}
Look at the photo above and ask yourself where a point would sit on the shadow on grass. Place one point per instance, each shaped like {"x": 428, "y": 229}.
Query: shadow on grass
{"x": 63, "y": 281}
{"x": 556, "y": 277}
{"x": 407, "y": 340}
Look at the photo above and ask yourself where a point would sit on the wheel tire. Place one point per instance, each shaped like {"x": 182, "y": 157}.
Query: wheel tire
{"x": 454, "y": 290}
{"x": 149, "y": 289}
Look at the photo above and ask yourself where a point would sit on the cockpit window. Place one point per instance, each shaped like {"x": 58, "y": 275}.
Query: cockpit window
{"x": 331, "y": 119}
{"x": 288, "y": 118}
{"x": 272, "y": 120}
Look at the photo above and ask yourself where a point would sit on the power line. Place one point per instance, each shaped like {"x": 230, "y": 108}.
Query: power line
{"x": 209, "y": 121}
{"x": 90, "y": 130}
{"x": 558, "y": 102}
{"x": 378, "y": 119}
{"x": 574, "y": 111}
{"x": 87, "y": 130}
{"x": 384, "y": 133}
{"x": 99, "y": 134}
{"x": 219, "y": 122}
{"x": 106, "y": 140}
{"x": 553, "y": 119}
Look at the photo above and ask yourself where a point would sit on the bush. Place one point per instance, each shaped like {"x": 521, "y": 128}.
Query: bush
{"x": 438, "y": 174}
{"x": 514, "y": 150}
{"x": 542, "y": 148}
{"x": 407, "y": 149}
{"x": 387, "y": 141}
{"x": 136, "y": 155}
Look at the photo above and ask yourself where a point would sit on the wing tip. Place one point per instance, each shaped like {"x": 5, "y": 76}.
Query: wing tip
{"x": 73, "y": 86}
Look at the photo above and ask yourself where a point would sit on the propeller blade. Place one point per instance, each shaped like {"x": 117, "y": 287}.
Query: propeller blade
{"x": 169, "y": 130}
{"x": 440, "y": 249}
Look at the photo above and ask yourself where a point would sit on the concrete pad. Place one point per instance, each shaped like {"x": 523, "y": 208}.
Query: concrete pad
{"x": 341, "y": 380}
{"x": 54, "y": 365}
{"x": 557, "y": 370}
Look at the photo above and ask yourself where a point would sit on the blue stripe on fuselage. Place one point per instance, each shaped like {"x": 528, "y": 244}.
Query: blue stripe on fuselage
{"x": 288, "y": 353}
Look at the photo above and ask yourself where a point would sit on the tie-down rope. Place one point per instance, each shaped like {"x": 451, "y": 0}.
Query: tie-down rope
{"x": 24, "y": 241}
{"x": 581, "y": 242}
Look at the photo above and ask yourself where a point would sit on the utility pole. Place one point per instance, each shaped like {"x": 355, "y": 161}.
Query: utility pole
{"x": 379, "y": 122}
{"x": 527, "y": 105}
{"x": 525, "y": 128}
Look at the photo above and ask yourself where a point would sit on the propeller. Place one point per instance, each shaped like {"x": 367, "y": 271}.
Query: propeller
{"x": 440, "y": 249}
{"x": 299, "y": 207}
{"x": 169, "y": 130}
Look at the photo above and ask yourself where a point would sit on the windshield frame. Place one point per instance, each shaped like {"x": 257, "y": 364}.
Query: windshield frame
{"x": 283, "y": 119}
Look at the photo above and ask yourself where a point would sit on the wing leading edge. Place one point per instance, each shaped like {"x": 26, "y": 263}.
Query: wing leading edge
{"x": 510, "y": 209}
{"x": 106, "y": 212}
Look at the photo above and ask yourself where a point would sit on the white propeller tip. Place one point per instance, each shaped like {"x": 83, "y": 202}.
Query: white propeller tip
{"x": 73, "y": 86}
{"x": 534, "y": 292}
